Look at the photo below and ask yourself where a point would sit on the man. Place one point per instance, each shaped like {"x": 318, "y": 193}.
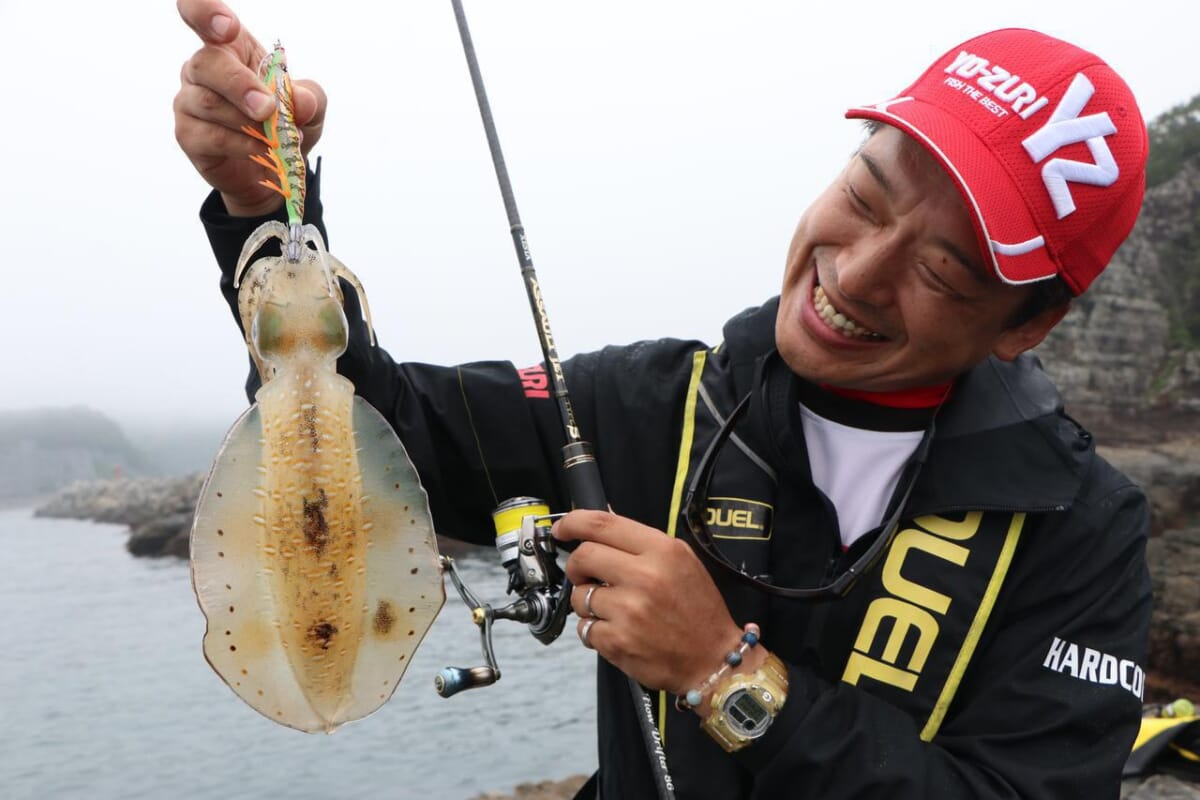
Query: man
{"x": 982, "y": 599}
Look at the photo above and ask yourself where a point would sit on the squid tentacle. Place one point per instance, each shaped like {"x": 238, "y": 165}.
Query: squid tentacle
{"x": 262, "y": 234}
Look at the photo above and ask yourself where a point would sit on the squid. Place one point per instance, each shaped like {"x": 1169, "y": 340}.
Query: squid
{"x": 313, "y": 555}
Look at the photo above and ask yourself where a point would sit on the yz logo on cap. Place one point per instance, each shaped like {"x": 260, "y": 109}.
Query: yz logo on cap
{"x": 1066, "y": 127}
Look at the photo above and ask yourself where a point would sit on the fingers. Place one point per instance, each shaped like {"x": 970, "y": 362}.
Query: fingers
{"x": 644, "y": 600}
{"x": 583, "y": 629}
{"x": 597, "y": 563}
{"x": 222, "y": 72}
{"x": 203, "y": 105}
{"x": 228, "y": 62}
{"x": 614, "y": 550}
{"x": 220, "y": 83}
{"x": 606, "y": 528}
{"x": 204, "y": 142}
{"x": 208, "y": 127}
{"x": 584, "y": 601}
{"x": 602, "y": 635}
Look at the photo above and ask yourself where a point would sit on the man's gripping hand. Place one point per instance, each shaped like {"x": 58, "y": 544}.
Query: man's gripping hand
{"x": 219, "y": 92}
{"x": 648, "y": 604}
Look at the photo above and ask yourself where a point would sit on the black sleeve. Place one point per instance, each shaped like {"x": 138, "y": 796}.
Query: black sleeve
{"x": 1025, "y": 722}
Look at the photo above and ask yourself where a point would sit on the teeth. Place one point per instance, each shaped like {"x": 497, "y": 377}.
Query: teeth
{"x": 838, "y": 321}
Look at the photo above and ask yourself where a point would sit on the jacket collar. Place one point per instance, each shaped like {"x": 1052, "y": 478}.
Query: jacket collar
{"x": 1002, "y": 441}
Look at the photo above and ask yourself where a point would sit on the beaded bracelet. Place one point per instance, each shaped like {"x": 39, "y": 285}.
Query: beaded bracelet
{"x": 733, "y": 658}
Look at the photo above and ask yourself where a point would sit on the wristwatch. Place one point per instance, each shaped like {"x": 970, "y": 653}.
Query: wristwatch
{"x": 744, "y": 706}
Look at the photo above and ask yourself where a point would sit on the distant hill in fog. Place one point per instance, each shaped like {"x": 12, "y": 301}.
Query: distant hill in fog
{"x": 43, "y": 450}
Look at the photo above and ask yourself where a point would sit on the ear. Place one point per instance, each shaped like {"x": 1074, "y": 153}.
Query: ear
{"x": 1029, "y": 334}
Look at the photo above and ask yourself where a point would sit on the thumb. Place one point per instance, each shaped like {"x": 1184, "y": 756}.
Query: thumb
{"x": 310, "y": 103}
{"x": 212, "y": 21}
{"x": 310, "y": 111}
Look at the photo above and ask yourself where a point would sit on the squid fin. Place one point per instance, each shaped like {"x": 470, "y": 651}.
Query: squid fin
{"x": 404, "y": 578}
{"x": 245, "y": 640}
{"x": 242, "y": 643}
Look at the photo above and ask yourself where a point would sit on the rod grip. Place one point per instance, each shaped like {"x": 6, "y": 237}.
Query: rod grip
{"x": 582, "y": 473}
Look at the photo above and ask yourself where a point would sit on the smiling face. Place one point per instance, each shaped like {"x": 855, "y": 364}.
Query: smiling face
{"x": 885, "y": 286}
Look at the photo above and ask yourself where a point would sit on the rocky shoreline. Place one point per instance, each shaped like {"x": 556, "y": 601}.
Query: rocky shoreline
{"x": 159, "y": 513}
{"x": 540, "y": 790}
{"x": 1159, "y": 787}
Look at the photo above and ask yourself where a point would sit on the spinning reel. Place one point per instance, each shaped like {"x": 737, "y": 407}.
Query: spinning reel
{"x": 529, "y": 555}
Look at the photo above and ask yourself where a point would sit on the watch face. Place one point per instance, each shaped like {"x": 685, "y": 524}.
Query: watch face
{"x": 747, "y": 714}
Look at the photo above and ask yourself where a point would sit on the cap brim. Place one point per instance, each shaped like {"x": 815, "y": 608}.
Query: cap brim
{"x": 1004, "y": 225}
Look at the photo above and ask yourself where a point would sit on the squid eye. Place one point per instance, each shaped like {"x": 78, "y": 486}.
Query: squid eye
{"x": 267, "y": 332}
{"x": 334, "y": 329}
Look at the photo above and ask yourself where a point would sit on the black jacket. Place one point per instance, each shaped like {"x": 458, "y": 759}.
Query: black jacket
{"x": 992, "y": 653}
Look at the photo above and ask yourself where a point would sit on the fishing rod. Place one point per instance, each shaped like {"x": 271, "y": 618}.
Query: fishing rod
{"x": 526, "y": 547}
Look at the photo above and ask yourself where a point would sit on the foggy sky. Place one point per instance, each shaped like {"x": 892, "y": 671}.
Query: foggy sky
{"x": 660, "y": 154}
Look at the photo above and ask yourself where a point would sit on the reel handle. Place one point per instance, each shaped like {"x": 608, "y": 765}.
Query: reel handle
{"x": 452, "y": 680}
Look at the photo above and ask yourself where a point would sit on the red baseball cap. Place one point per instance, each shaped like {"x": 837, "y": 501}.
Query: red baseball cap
{"x": 1044, "y": 140}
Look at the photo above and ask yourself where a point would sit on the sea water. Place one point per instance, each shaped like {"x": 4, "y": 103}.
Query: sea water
{"x": 105, "y": 693}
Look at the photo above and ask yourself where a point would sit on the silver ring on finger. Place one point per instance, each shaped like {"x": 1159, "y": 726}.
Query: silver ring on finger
{"x": 587, "y": 602}
{"x": 586, "y": 631}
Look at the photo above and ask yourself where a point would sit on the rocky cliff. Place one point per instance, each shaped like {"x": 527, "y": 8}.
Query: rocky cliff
{"x": 1130, "y": 347}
